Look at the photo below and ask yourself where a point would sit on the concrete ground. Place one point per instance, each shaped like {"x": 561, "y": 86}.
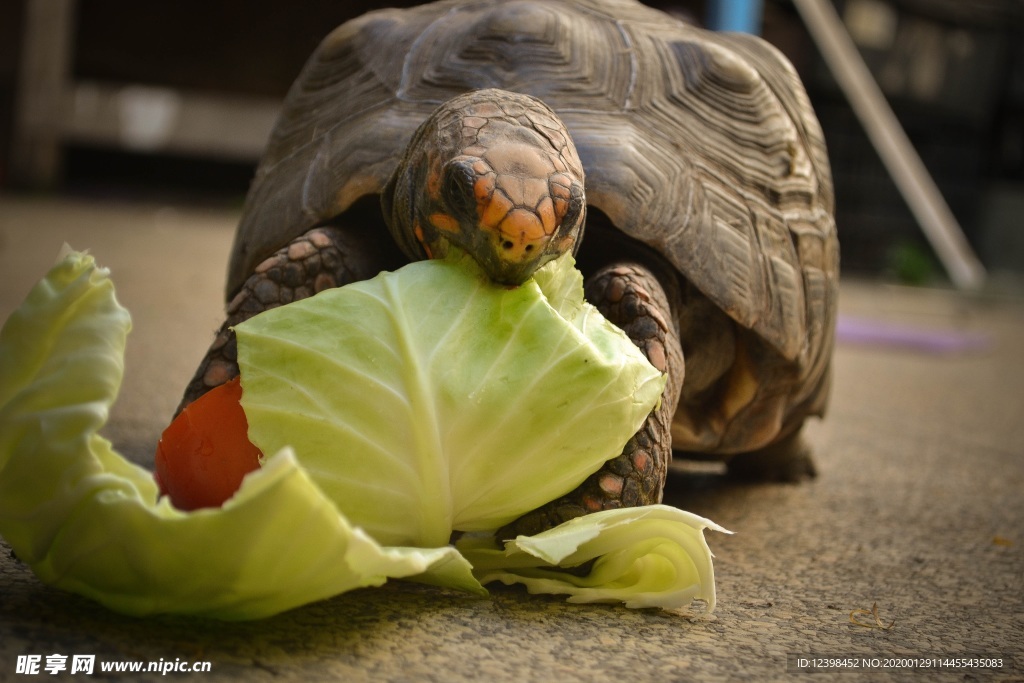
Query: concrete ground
{"x": 918, "y": 508}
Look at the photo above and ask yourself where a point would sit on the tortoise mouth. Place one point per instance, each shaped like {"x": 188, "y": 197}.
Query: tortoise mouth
{"x": 515, "y": 274}
{"x": 488, "y": 254}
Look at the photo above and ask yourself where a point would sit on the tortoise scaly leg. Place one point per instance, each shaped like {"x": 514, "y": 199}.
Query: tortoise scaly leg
{"x": 631, "y": 296}
{"x": 324, "y": 257}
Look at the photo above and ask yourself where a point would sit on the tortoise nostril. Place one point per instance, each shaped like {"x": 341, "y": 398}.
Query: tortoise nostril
{"x": 507, "y": 244}
{"x": 529, "y": 247}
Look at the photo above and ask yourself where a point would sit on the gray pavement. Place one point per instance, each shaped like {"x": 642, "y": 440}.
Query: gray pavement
{"x": 918, "y": 508}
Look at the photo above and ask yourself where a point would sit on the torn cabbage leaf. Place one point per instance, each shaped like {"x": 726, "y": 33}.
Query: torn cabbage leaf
{"x": 430, "y": 399}
{"x": 653, "y": 556}
{"x": 87, "y": 520}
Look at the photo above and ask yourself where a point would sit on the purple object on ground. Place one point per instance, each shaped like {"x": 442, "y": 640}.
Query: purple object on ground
{"x": 876, "y": 333}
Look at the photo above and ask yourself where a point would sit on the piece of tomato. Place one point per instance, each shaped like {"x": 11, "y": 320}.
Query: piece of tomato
{"x": 204, "y": 453}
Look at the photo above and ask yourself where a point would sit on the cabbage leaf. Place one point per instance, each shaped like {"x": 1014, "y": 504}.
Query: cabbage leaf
{"x": 87, "y": 520}
{"x": 652, "y": 556}
{"x": 430, "y": 399}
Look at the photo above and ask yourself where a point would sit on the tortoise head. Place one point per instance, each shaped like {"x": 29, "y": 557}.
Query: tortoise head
{"x": 494, "y": 173}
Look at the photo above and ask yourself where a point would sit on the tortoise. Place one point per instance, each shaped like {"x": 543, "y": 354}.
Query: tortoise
{"x": 692, "y": 161}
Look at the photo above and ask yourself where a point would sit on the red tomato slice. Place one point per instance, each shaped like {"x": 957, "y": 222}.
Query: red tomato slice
{"x": 204, "y": 453}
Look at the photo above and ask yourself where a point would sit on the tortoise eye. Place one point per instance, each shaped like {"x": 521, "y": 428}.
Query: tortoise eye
{"x": 576, "y": 203}
{"x": 457, "y": 188}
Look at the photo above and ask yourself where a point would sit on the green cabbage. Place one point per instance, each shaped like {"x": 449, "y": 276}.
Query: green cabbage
{"x": 430, "y": 399}
{"x": 652, "y": 556}
{"x": 87, "y": 520}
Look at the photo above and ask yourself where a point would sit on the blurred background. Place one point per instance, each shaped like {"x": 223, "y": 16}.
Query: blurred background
{"x": 173, "y": 101}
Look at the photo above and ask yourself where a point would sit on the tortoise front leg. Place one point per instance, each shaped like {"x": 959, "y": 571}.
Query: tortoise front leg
{"x": 632, "y": 297}
{"x": 328, "y": 256}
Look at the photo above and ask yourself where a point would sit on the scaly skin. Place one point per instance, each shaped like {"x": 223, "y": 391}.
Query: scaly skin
{"x": 632, "y": 297}
{"x": 330, "y": 256}
{"x": 494, "y": 173}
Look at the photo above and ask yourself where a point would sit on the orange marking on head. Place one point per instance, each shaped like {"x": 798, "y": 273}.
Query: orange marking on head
{"x": 561, "y": 206}
{"x": 483, "y": 187}
{"x": 418, "y": 231}
{"x": 522, "y": 225}
{"x": 495, "y": 210}
{"x": 546, "y": 211}
{"x": 444, "y": 222}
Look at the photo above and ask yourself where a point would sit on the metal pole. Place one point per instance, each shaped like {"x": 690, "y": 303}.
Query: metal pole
{"x": 890, "y": 140}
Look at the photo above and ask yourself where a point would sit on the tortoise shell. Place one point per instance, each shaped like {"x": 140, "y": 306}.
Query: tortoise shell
{"x": 701, "y": 145}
